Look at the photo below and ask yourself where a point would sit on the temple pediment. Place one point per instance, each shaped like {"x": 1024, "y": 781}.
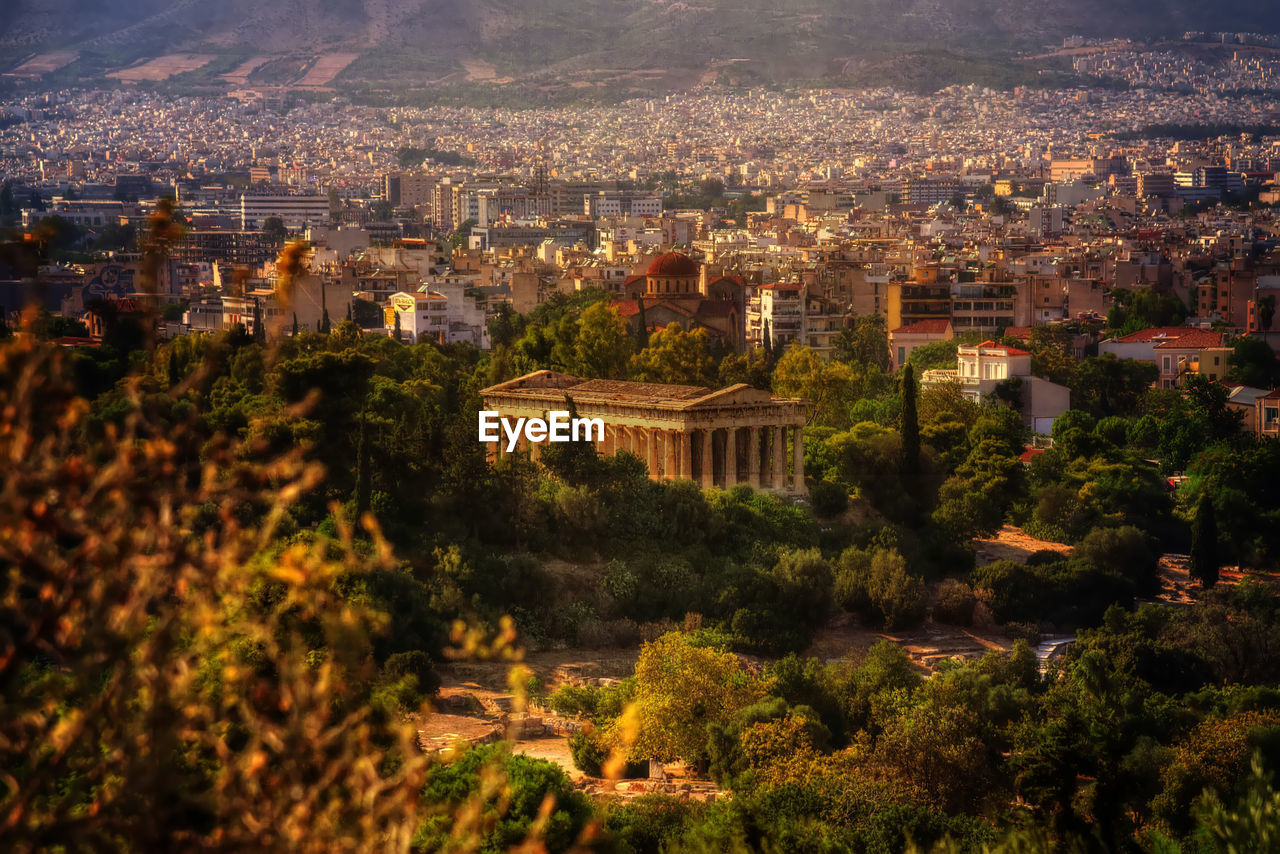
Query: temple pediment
{"x": 551, "y": 386}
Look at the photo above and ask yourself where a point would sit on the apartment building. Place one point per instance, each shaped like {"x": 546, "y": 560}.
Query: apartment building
{"x": 981, "y": 370}
{"x": 791, "y": 312}
{"x": 1175, "y": 351}
{"x": 905, "y": 339}
{"x": 295, "y": 211}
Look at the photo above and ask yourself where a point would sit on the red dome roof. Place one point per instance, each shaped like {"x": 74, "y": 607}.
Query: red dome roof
{"x": 673, "y": 264}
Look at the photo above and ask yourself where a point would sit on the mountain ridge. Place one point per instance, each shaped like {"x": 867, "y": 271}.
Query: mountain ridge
{"x": 402, "y": 41}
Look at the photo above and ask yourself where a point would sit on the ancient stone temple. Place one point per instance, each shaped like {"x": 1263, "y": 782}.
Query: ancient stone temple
{"x": 736, "y": 435}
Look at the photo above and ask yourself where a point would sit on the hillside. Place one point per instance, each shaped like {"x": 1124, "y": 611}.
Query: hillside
{"x": 401, "y": 43}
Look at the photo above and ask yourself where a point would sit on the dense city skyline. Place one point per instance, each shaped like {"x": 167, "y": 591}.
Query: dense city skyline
{"x": 635, "y": 428}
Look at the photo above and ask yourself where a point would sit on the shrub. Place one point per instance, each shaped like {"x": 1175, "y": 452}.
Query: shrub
{"x": 955, "y": 603}
{"x": 878, "y": 587}
{"x": 570, "y": 700}
{"x": 609, "y": 633}
{"x": 647, "y": 822}
{"x": 852, "y": 574}
{"x": 1124, "y": 551}
{"x": 417, "y": 664}
{"x": 588, "y": 753}
{"x": 896, "y": 594}
{"x": 1068, "y": 592}
{"x": 829, "y": 499}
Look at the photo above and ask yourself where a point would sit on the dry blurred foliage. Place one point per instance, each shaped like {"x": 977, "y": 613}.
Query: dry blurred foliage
{"x": 147, "y": 703}
{"x": 164, "y": 684}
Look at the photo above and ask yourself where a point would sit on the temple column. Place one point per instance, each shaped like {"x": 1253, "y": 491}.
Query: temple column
{"x": 669, "y": 454}
{"x": 753, "y": 457}
{"x": 798, "y": 449}
{"x": 730, "y": 457}
{"x": 686, "y": 455}
{"x": 650, "y": 444}
{"x": 707, "y": 476}
{"x": 779, "y": 464}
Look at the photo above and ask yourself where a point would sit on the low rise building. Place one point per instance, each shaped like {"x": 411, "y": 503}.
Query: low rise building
{"x": 905, "y": 339}
{"x": 991, "y": 369}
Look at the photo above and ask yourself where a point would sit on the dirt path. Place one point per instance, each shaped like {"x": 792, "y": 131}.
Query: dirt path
{"x": 1011, "y": 543}
{"x": 1177, "y": 587}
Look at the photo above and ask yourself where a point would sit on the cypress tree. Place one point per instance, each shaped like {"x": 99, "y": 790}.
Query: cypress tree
{"x": 324, "y": 323}
{"x": 295, "y": 324}
{"x": 398, "y": 333}
{"x": 1204, "y": 544}
{"x": 363, "y": 474}
{"x": 173, "y": 367}
{"x": 644, "y": 325}
{"x": 259, "y": 328}
{"x": 910, "y": 424}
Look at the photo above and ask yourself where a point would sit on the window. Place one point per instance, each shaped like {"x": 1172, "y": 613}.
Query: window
{"x": 902, "y": 355}
{"x": 1167, "y": 364}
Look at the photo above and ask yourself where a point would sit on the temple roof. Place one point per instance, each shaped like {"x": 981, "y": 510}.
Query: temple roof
{"x": 553, "y": 387}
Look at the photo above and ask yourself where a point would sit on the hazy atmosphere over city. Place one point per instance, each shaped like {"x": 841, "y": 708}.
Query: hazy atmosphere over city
{"x": 640, "y": 427}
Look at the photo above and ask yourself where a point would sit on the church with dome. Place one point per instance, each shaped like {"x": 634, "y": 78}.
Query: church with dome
{"x": 677, "y": 289}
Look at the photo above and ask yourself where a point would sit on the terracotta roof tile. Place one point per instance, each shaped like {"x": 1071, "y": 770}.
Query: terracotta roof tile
{"x": 1008, "y": 351}
{"x": 923, "y": 327}
{"x": 1144, "y": 335}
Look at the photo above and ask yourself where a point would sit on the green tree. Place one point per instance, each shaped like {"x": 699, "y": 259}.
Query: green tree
{"x": 458, "y": 237}
{"x": 1204, "y": 544}
{"x": 677, "y": 357}
{"x": 936, "y": 355}
{"x": 1253, "y": 363}
{"x": 1266, "y": 312}
{"x": 1108, "y": 385}
{"x": 681, "y": 690}
{"x": 864, "y": 341}
{"x": 893, "y": 591}
{"x": 832, "y": 387}
{"x": 602, "y": 348}
{"x": 273, "y": 231}
{"x": 1143, "y": 308}
{"x": 752, "y": 368}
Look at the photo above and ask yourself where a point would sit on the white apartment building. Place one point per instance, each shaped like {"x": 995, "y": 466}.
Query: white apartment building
{"x": 440, "y": 311}
{"x": 296, "y": 212}
{"x": 979, "y": 370}
{"x": 787, "y": 313}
